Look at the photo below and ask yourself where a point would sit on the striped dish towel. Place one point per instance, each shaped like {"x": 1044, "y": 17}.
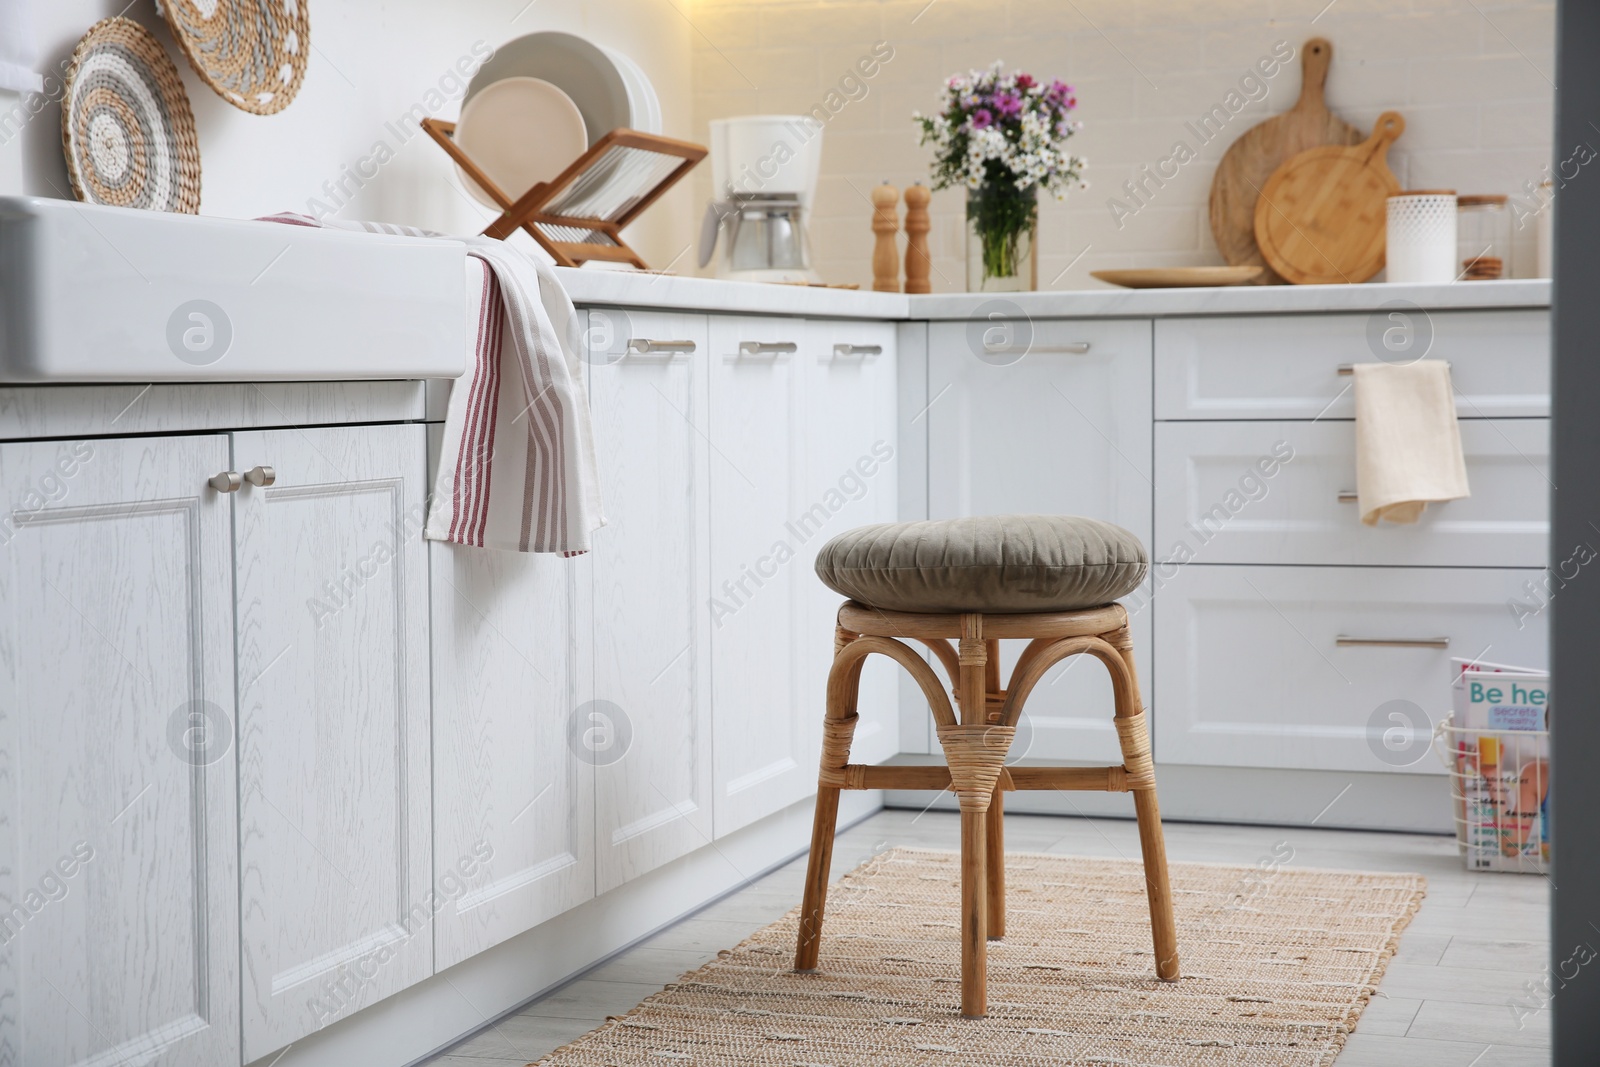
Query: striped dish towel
{"x": 517, "y": 467}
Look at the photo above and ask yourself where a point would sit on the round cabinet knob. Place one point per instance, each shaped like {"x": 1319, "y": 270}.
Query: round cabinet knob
{"x": 226, "y": 482}
{"x": 261, "y": 476}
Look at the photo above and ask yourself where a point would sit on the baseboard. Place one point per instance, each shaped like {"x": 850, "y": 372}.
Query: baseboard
{"x": 420, "y": 1021}
{"x": 1417, "y": 803}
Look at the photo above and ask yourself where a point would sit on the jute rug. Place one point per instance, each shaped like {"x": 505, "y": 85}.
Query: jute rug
{"x": 1277, "y": 966}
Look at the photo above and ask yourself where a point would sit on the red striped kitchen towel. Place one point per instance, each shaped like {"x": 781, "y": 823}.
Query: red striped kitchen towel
{"x": 517, "y": 467}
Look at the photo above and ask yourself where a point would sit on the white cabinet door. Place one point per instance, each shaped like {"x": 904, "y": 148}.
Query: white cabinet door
{"x": 335, "y": 824}
{"x": 1023, "y": 418}
{"x": 118, "y": 838}
{"x": 852, "y": 469}
{"x": 1283, "y": 492}
{"x": 1251, "y": 672}
{"x": 648, "y": 731}
{"x": 513, "y": 804}
{"x": 763, "y": 531}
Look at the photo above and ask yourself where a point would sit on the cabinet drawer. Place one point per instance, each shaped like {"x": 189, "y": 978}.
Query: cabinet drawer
{"x": 1214, "y": 504}
{"x": 1250, "y": 671}
{"x": 1287, "y": 366}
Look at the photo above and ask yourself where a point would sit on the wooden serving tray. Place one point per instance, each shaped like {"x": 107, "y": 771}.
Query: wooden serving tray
{"x": 1323, "y": 215}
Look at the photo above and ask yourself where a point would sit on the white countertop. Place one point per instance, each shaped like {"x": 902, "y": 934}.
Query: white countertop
{"x": 669, "y": 292}
{"x": 674, "y": 293}
{"x": 1238, "y": 300}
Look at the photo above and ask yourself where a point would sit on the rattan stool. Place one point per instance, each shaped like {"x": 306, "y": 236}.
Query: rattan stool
{"x": 975, "y": 745}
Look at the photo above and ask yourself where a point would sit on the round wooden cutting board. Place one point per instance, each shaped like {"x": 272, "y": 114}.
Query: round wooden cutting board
{"x": 1322, "y": 216}
{"x": 1262, "y": 149}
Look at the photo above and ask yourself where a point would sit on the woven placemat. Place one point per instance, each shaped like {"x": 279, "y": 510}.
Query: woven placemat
{"x": 126, "y": 128}
{"x": 252, "y": 52}
{"x": 1277, "y": 966}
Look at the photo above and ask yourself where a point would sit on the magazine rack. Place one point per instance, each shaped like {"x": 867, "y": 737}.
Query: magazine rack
{"x": 580, "y": 214}
{"x": 1501, "y": 820}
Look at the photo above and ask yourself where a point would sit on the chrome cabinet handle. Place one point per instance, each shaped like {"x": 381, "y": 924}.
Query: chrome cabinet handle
{"x": 768, "y": 350}
{"x": 226, "y": 482}
{"x": 843, "y": 351}
{"x": 261, "y": 476}
{"x": 1347, "y": 369}
{"x": 1348, "y": 496}
{"x": 1071, "y": 348}
{"x": 1391, "y": 642}
{"x": 645, "y": 346}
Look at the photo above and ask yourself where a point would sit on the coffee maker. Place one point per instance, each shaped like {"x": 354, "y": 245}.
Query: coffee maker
{"x": 764, "y": 178}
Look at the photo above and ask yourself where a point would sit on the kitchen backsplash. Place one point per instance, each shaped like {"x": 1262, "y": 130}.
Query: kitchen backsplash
{"x": 1474, "y": 81}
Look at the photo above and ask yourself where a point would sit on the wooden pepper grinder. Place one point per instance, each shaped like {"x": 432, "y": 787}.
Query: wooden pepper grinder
{"x": 918, "y": 265}
{"x": 885, "y": 223}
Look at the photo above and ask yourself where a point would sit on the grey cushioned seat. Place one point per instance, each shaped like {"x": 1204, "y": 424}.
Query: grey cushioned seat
{"x": 1001, "y": 564}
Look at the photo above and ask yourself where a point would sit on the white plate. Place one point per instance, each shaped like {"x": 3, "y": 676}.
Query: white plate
{"x": 520, "y": 131}
{"x": 643, "y": 103}
{"x": 580, "y": 68}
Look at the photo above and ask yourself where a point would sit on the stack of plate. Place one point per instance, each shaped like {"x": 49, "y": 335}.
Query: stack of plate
{"x": 541, "y": 101}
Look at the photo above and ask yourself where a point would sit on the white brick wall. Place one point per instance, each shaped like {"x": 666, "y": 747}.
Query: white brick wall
{"x": 1473, "y": 80}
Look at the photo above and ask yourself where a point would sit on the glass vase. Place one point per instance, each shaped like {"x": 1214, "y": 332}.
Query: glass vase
{"x": 1001, "y": 226}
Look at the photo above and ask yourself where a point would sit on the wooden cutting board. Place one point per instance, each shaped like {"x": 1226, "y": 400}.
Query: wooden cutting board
{"x": 1322, "y": 216}
{"x": 1262, "y": 149}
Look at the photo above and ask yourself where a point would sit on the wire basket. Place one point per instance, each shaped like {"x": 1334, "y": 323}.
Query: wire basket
{"x": 1499, "y": 789}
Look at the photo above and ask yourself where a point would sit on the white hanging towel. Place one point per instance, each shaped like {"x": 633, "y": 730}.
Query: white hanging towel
{"x": 1408, "y": 443}
{"x": 517, "y": 465}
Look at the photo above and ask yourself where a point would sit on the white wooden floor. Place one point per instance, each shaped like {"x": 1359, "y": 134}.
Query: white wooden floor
{"x": 1444, "y": 1001}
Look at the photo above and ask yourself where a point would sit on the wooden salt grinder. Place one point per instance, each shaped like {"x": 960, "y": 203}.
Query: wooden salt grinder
{"x": 918, "y": 265}
{"x": 885, "y": 223}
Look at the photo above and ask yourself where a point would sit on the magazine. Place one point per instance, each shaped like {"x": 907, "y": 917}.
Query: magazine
{"x": 1502, "y": 765}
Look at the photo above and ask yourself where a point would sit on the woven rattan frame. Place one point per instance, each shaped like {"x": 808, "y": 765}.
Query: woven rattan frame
{"x": 112, "y": 137}
{"x": 975, "y": 744}
{"x": 252, "y": 52}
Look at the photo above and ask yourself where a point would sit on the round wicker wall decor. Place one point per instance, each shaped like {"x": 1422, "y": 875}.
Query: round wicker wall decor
{"x": 126, "y": 127}
{"x": 252, "y": 52}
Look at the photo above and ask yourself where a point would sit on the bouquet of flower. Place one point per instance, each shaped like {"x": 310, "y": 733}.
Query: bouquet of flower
{"x": 1003, "y": 136}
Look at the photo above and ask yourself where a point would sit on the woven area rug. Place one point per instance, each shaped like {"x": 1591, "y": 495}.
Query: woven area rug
{"x": 1277, "y": 966}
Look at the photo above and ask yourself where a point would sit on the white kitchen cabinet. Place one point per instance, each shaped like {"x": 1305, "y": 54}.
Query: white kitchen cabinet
{"x": 648, "y": 732}
{"x": 852, "y": 469}
{"x": 118, "y": 842}
{"x": 1287, "y": 366}
{"x": 1215, "y": 505}
{"x": 335, "y": 810}
{"x": 513, "y": 802}
{"x": 762, "y": 538}
{"x": 1048, "y": 417}
{"x": 1251, "y": 670}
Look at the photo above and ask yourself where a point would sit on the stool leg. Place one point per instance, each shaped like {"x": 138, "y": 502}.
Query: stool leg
{"x": 975, "y": 751}
{"x": 974, "y": 933}
{"x": 995, "y": 862}
{"x": 809, "y": 944}
{"x": 1134, "y": 734}
{"x": 1163, "y": 927}
{"x": 838, "y": 728}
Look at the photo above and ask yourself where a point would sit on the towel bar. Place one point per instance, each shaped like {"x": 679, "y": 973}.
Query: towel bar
{"x": 1347, "y": 369}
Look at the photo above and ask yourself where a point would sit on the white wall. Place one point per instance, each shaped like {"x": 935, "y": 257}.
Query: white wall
{"x": 370, "y": 62}
{"x": 1473, "y": 80}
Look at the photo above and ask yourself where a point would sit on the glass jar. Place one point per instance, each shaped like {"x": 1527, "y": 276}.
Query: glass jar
{"x": 1001, "y": 227}
{"x": 1483, "y": 237}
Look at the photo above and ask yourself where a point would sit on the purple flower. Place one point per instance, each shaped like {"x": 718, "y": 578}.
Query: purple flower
{"x": 982, "y": 119}
{"x": 1008, "y": 103}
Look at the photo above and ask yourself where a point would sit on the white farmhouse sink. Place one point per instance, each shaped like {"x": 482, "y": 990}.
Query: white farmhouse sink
{"x": 101, "y": 294}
